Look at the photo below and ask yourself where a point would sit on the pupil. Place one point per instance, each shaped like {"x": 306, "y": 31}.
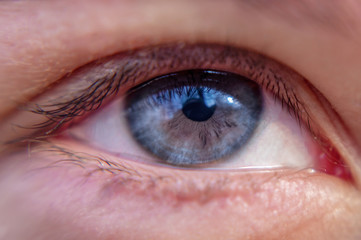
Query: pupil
{"x": 196, "y": 110}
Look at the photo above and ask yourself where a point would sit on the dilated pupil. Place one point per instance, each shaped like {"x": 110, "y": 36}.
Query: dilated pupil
{"x": 197, "y": 110}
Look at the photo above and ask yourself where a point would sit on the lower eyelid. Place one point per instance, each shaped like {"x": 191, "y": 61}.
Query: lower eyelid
{"x": 124, "y": 174}
{"x": 129, "y": 189}
{"x": 172, "y": 186}
{"x": 137, "y": 197}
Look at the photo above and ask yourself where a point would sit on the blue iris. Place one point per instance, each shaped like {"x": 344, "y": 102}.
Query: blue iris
{"x": 194, "y": 117}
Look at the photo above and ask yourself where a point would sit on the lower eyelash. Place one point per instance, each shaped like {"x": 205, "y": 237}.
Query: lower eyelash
{"x": 175, "y": 189}
{"x": 83, "y": 160}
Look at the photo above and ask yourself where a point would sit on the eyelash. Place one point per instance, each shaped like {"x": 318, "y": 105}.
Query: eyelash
{"x": 91, "y": 98}
{"x": 88, "y": 101}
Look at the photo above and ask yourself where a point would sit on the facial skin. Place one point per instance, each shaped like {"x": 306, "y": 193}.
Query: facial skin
{"x": 42, "y": 41}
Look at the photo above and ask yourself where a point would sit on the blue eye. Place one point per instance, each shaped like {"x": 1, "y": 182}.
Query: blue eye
{"x": 197, "y": 106}
{"x": 195, "y": 116}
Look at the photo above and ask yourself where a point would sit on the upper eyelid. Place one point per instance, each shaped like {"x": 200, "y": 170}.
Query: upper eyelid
{"x": 134, "y": 67}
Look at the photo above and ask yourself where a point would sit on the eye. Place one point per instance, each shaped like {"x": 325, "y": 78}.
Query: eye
{"x": 145, "y": 105}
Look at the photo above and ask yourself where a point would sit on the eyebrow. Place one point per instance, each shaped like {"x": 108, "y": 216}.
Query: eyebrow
{"x": 343, "y": 17}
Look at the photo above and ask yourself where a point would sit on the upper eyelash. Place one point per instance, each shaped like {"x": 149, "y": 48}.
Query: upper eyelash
{"x": 91, "y": 98}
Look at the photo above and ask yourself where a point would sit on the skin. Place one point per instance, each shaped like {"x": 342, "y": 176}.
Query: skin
{"x": 44, "y": 40}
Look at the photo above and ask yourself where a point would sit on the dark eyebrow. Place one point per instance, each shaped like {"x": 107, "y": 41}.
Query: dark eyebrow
{"x": 341, "y": 16}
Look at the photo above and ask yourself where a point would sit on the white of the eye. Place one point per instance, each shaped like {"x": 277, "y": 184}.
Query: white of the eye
{"x": 278, "y": 141}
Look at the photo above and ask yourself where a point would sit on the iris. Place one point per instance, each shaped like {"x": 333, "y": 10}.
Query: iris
{"x": 195, "y": 116}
